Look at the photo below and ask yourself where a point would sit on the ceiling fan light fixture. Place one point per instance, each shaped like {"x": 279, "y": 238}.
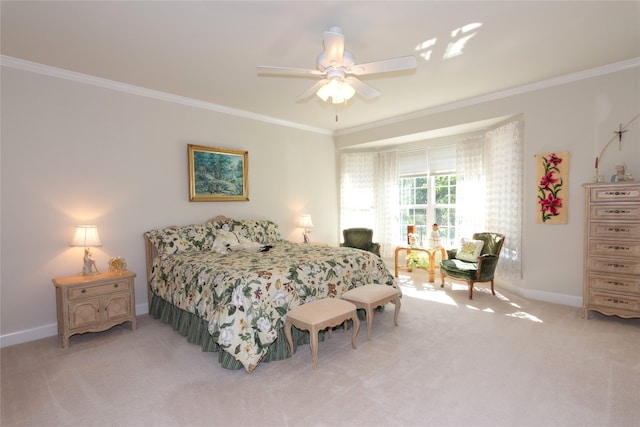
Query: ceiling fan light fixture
{"x": 338, "y": 90}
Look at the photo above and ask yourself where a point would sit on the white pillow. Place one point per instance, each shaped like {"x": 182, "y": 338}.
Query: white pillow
{"x": 469, "y": 250}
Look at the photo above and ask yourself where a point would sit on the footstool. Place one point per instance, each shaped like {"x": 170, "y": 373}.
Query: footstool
{"x": 371, "y": 296}
{"x": 318, "y": 315}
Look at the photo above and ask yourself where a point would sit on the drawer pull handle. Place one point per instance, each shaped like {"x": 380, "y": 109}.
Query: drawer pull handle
{"x": 617, "y": 193}
{"x": 617, "y": 211}
{"x": 617, "y": 301}
{"x": 618, "y": 229}
{"x": 616, "y": 265}
{"x": 616, "y": 283}
{"x": 84, "y": 291}
{"x": 115, "y": 286}
{"x": 618, "y": 248}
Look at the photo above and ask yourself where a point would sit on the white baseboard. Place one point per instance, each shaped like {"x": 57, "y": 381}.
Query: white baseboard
{"x": 551, "y": 297}
{"x": 46, "y": 331}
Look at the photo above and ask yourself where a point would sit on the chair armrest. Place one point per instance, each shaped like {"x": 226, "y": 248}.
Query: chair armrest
{"x": 375, "y": 248}
{"x": 486, "y": 266}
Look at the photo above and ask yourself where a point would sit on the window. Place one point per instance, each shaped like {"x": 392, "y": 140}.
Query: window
{"x": 425, "y": 200}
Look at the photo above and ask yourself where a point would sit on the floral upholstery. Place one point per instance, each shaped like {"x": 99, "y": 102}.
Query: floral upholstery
{"x": 261, "y": 231}
{"x": 173, "y": 240}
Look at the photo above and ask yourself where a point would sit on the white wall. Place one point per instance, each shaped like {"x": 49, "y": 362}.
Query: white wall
{"x": 578, "y": 116}
{"x": 74, "y": 153}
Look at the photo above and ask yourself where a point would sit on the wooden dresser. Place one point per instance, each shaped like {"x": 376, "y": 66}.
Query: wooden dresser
{"x": 612, "y": 249}
{"x": 94, "y": 303}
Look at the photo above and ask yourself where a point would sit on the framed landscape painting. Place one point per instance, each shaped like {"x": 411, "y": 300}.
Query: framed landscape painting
{"x": 217, "y": 174}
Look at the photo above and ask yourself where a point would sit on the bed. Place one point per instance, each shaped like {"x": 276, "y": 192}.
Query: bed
{"x": 236, "y": 302}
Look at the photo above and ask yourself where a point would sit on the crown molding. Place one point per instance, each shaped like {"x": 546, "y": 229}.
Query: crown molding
{"x": 61, "y": 73}
{"x": 543, "y": 84}
{"x": 47, "y": 70}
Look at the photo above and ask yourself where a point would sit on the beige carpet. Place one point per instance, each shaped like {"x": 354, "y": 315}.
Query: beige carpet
{"x": 493, "y": 361}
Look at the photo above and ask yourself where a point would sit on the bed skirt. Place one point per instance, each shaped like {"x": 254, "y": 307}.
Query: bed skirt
{"x": 196, "y": 331}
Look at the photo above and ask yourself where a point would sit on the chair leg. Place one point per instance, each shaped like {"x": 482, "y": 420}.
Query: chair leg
{"x": 492, "y": 290}
{"x": 442, "y": 279}
{"x": 470, "y": 290}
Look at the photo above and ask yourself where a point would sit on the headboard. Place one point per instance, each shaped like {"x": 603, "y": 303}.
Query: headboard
{"x": 151, "y": 251}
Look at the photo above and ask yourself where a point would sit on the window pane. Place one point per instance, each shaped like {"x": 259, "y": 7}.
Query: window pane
{"x": 421, "y": 196}
{"x": 421, "y": 208}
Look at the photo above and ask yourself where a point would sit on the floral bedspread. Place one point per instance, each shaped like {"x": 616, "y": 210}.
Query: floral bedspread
{"x": 245, "y": 296}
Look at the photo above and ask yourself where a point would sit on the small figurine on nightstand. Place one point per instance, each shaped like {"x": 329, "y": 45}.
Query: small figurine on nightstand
{"x": 434, "y": 239}
{"x": 89, "y": 264}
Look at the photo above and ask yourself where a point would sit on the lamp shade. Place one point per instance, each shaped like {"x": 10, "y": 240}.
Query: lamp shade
{"x": 86, "y": 236}
{"x": 305, "y": 221}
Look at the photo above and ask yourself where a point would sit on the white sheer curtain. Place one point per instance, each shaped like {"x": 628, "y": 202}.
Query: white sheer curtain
{"x": 369, "y": 195}
{"x": 489, "y": 191}
{"x": 387, "y": 201}
{"x": 357, "y": 201}
{"x": 504, "y": 183}
{"x": 470, "y": 187}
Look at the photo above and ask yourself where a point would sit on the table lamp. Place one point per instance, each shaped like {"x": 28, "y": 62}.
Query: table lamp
{"x": 305, "y": 222}
{"x": 86, "y": 236}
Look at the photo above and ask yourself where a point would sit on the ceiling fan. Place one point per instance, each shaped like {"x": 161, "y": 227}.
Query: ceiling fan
{"x": 338, "y": 70}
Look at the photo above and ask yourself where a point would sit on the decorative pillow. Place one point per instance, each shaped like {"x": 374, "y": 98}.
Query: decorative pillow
{"x": 172, "y": 240}
{"x": 261, "y": 231}
{"x": 469, "y": 249}
{"x": 229, "y": 241}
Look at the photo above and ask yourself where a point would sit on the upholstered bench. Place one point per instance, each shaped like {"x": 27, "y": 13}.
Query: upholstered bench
{"x": 318, "y": 315}
{"x": 369, "y": 297}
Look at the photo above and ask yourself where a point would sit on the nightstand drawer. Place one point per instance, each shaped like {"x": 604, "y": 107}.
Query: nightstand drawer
{"x": 620, "y": 284}
{"x": 97, "y": 290}
{"x": 616, "y": 193}
{"x": 615, "y": 301}
{"x": 612, "y": 265}
{"x": 616, "y": 212}
{"x": 620, "y": 248}
{"x": 615, "y": 230}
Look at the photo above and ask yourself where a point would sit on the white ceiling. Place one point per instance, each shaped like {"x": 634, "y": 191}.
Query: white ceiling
{"x": 209, "y": 50}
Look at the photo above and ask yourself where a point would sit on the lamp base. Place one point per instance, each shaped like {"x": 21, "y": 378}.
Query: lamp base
{"x": 89, "y": 267}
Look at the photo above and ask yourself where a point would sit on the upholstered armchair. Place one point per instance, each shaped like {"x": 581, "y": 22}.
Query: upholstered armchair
{"x": 471, "y": 266}
{"x": 360, "y": 238}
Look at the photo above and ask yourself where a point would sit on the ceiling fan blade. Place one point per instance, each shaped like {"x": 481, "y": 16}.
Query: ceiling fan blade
{"x": 334, "y": 46}
{"x": 384, "y": 66}
{"x": 312, "y": 90}
{"x": 289, "y": 71}
{"x": 363, "y": 89}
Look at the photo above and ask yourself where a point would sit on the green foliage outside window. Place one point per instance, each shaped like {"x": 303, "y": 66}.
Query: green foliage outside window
{"x": 419, "y": 209}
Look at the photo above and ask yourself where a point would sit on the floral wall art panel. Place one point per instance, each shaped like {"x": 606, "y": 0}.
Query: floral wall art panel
{"x": 552, "y": 175}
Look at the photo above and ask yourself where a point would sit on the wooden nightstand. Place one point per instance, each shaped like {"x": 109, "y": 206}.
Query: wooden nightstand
{"x": 94, "y": 303}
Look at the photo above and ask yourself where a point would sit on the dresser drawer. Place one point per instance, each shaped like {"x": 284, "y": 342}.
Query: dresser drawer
{"x": 612, "y": 212}
{"x": 620, "y": 248}
{"x": 615, "y": 193}
{"x": 97, "y": 290}
{"x": 612, "y": 265}
{"x": 614, "y": 230}
{"x": 620, "y": 284}
{"x": 618, "y": 302}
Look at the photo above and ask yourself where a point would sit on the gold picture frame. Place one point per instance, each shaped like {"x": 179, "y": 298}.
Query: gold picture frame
{"x": 217, "y": 174}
